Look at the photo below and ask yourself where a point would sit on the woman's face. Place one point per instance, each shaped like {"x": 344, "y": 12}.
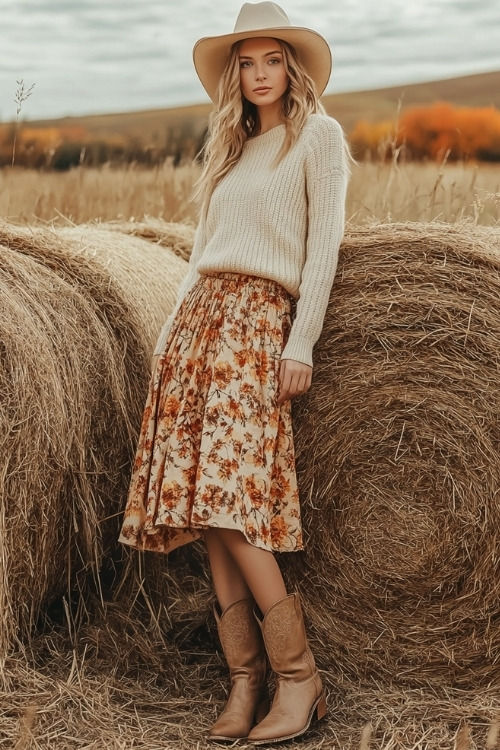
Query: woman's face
{"x": 263, "y": 78}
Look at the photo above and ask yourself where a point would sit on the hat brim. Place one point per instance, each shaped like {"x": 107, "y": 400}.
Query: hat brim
{"x": 210, "y": 54}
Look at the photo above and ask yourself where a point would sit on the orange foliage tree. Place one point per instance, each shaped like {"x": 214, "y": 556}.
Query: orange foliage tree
{"x": 372, "y": 139}
{"x": 435, "y": 131}
{"x": 61, "y": 147}
{"x": 36, "y": 146}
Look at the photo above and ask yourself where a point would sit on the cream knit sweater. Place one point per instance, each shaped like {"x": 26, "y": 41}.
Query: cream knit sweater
{"x": 283, "y": 223}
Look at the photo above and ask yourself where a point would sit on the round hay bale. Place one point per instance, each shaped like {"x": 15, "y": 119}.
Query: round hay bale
{"x": 149, "y": 273}
{"x": 177, "y": 236}
{"x": 79, "y": 317}
{"x": 398, "y": 460}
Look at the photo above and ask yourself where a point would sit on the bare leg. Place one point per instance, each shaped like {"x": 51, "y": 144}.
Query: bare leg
{"x": 228, "y": 582}
{"x": 256, "y": 567}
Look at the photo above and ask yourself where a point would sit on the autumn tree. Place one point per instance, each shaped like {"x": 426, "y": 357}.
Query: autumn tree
{"x": 435, "y": 131}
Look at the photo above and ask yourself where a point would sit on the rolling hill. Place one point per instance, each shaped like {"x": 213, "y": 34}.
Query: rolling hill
{"x": 154, "y": 126}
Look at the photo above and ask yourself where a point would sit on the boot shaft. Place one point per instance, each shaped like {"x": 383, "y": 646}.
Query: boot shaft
{"x": 284, "y": 635}
{"x": 241, "y": 637}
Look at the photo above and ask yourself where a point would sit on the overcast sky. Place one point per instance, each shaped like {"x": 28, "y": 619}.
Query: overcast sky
{"x": 92, "y": 56}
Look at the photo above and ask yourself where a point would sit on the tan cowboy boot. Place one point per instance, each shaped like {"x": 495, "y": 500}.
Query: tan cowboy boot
{"x": 245, "y": 654}
{"x": 299, "y": 690}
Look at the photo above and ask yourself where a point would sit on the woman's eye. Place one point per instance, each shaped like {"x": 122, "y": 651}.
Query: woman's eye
{"x": 245, "y": 64}
{"x": 274, "y": 60}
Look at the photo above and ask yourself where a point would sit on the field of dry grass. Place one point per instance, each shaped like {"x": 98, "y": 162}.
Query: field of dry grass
{"x": 424, "y": 192}
{"x": 88, "y": 194}
{"x": 377, "y": 192}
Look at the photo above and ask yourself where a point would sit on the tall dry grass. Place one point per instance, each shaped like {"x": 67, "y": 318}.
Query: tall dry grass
{"x": 424, "y": 192}
{"x": 377, "y": 192}
{"x": 85, "y": 194}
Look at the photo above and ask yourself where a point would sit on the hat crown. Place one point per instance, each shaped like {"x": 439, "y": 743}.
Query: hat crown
{"x": 255, "y": 16}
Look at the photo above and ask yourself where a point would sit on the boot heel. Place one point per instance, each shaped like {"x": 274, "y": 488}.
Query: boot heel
{"x": 262, "y": 710}
{"x": 321, "y": 707}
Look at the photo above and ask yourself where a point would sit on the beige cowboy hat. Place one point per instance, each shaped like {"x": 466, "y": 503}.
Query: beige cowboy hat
{"x": 262, "y": 19}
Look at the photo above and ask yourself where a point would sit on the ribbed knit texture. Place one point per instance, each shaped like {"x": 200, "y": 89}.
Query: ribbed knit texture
{"x": 283, "y": 223}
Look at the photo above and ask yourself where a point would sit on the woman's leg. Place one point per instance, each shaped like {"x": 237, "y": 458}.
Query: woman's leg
{"x": 228, "y": 582}
{"x": 243, "y": 563}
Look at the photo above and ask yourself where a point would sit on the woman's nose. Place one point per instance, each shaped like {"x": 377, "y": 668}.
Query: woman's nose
{"x": 260, "y": 74}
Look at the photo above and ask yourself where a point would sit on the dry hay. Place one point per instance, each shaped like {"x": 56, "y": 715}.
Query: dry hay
{"x": 398, "y": 459}
{"x": 177, "y": 236}
{"x": 118, "y": 686}
{"x": 397, "y": 446}
{"x": 75, "y": 341}
{"x": 149, "y": 273}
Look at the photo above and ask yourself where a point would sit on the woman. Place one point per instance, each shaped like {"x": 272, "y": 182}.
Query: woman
{"x": 215, "y": 457}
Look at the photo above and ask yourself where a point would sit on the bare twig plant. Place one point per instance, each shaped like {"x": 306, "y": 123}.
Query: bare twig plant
{"x": 21, "y": 95}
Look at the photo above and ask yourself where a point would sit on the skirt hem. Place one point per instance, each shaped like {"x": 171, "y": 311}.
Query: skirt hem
{"x": 196, "y": 531}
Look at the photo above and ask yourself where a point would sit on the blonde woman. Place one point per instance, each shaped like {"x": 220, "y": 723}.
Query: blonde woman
{"x": 215, "y": 458}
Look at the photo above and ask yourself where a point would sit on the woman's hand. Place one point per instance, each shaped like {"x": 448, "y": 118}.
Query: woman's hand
{"x": 295, "y": 378}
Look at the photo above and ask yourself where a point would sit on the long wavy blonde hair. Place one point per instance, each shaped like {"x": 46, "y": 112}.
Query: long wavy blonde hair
{"x": 234, "y": 118}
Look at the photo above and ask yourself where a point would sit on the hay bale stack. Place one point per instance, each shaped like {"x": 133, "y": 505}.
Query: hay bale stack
{"x": 398, "y": 459}
{"x": 78, "y": 320}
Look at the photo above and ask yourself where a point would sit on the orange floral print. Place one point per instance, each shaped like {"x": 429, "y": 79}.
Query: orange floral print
{"x": 215, "y": 449}
{"x": 278, "y": 530}
{"x": 223, "y": 373}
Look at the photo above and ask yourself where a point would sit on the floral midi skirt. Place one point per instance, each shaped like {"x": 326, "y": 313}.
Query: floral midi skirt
{"x": 215, "y": 449}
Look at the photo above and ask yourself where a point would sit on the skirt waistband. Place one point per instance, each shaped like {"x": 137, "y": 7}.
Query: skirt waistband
{"x": 233, "y": 282}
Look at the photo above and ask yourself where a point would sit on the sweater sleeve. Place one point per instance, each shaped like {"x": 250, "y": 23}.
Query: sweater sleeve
{"x": 187, "y": 283}
{"x": 326, "y": 184}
